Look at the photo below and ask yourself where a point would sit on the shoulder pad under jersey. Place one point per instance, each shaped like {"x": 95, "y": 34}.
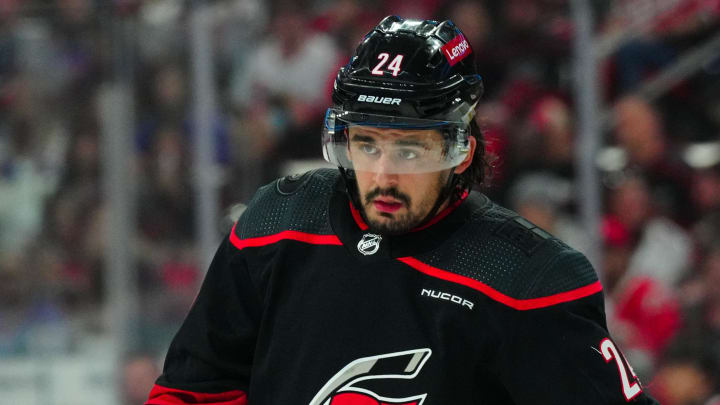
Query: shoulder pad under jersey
{"x": 294, "y": 203}
{"x": 513, "y": 261}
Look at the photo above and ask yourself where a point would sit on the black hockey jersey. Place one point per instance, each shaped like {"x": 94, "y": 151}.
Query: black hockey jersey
{"x": 304, "y": 305}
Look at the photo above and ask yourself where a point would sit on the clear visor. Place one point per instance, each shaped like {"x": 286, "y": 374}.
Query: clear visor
{"x": 393, "y": 145}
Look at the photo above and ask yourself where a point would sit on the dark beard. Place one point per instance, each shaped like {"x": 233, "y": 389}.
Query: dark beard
{"x": 400, "y": 224}
{"x": 403, "y": 223}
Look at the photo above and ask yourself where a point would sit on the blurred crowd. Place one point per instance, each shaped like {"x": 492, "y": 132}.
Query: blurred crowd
{"x": 274, "y": 66}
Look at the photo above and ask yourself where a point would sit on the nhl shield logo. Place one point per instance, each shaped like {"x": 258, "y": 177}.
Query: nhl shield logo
{"x": 369, "y": 244}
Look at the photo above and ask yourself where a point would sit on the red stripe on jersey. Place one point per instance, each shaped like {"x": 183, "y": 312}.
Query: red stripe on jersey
{"x": 525, "y": 304}
{"x": 312, "y": 238}
{"x": 169, "y": 396}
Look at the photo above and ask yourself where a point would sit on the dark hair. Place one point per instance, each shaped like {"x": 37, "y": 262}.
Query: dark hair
{"x": 480, "y": 170}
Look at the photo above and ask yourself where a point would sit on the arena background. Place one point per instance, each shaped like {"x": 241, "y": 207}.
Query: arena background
{"x": 131, "y": 132}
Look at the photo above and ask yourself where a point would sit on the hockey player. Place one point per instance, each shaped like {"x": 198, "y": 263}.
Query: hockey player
{"x": 387, "y": 281}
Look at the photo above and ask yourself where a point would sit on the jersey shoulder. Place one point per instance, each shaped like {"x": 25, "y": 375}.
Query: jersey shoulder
{"x": 514, "y": 259}
{"x": 292, "y": 203}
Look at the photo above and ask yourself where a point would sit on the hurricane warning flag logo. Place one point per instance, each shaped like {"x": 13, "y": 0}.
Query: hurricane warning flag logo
{"x": 343, "y": 389}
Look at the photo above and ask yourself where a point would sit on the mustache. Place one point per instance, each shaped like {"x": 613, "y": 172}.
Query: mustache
{"x": 387, "y": 192}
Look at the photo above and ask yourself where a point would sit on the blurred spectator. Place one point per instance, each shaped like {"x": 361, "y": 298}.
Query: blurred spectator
{"x": 640, "y": 133}
{"x": 661, "y": 248}
{"x": 346, "y": 21}
{"x": 280, "y": 91}
{"x": 163, "y": 98}
{"x": 291, "y": 66}
{"x": 706, "y": 231}
{"x": 547, "y": 140}
{"x": 645, "y": 256}
{"x": 646, "y": 318}
{"x": 543, "y": 199}
{"x": 138, "y": 376}
{"x": 82, "y": 162}
{"x": 31, "y": 322}
{"x": 701, "y": 301}
{"x": 77, "y": 57}
{"x": 165, "y": 190}
{"x": 74, "y": 222}
{"x": 685, "y": 380}
{"x": 24, "y": 186}
{"x": 539, "y": 32}
{"x": 8, "y": 45}
{"x": 75, "y": 229}
{"x": 161, "y": 26}
{"x": 706, "y": 190}
{"x": 169, "y": 279}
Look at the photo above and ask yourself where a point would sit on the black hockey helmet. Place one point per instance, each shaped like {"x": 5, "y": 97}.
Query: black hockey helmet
{"x": 406, "y": 74}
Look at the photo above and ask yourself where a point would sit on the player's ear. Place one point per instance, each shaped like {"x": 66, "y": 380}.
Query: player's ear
{"x": 468, "y": 159}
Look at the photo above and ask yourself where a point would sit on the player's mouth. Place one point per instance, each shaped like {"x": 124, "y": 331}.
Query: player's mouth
{"x": 387, "y": 204}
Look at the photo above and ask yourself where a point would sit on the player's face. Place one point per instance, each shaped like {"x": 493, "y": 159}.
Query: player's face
{"x": 393, "y": 202}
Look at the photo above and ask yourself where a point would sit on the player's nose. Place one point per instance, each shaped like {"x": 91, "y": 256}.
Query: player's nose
{"x": 385, "y": 172}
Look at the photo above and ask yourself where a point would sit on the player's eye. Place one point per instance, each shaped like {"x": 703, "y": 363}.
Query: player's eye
{"x": 369, "y": 149}
{"x": 407, "y": 154}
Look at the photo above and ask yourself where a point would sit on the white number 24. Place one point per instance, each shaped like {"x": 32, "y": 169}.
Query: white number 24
{"x": 394, "y": 66}
{"x": 609, "y": 352}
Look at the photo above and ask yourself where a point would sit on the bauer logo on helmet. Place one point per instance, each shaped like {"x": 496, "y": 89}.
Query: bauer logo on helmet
{"x": 379, "y": 100}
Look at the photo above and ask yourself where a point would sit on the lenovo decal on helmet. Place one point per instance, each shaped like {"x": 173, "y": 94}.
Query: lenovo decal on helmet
{"x": 457, "y": 49}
